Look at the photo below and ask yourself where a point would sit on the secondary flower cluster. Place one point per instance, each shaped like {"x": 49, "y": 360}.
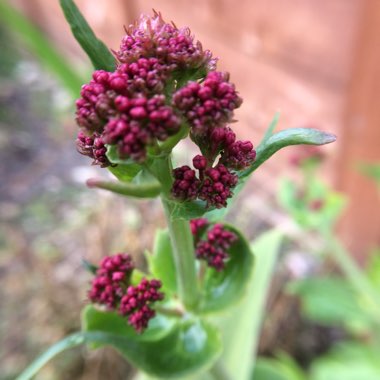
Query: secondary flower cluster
{"x": 213, "y": 249}
{"x": 214, "y": 184}
{"x": 111, "y": 287}
{"x": 207, "y": 107}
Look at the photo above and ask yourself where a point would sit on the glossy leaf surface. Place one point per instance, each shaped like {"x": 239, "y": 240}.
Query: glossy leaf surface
{"x": 190, "y": 346}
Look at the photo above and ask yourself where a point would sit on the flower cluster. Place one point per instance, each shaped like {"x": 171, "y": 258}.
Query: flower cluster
{"x": 111, "y": 277}
{"x": 214, "y": 184}
{"x": 153, "y": 37}
{"x": 93, "y": 146}
{"x": 127, "y": 108}
{"x": 206, "y": 105}
{"x": 213, "y": 249}
{"x": 111, "y": 287}
{"x": 135, "y": 303}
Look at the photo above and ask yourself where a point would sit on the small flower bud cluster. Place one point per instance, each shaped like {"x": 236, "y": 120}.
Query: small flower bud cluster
{"x": 93, "y": 147}
{"x": 135, "y": 303}
{"x": 214, "y": 184}
{"x": 186, "y": 183}
{"x": 127, "y": 107}
{"x": 213, "y": 249}
{"x": 198, "y": 226}
{"x": 111, "y": 277}
{"x": 209, "y": 104}
{"x": 111, "y": 288}
{"x": 153, "y": 37}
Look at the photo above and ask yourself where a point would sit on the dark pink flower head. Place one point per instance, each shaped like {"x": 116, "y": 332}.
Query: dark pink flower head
{"x": 111, "y": 279}
{"x": 217, "y": 186}
{"x": 136, "y": 303}
{"x": 198, "y": 226}
{"x": 214, "y": 249}
{"x": 207, "y": 105}
{"x": 93, "y": 147}
{"x": 153, "y": 37}
{"x": 238, "y": 155}
{"x": 127, "y": 107}
{"x": 186, "y": 183}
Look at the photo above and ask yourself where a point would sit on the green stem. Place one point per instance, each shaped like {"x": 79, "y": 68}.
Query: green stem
{"x": 180, "y": 237}
{"x": 184, "y": 258}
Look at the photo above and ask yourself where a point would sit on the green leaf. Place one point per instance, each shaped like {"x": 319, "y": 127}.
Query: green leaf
{"x": 241, "y": 328}
{"x": 279, "y": 140}
{"x": 148, "y": 190}
{"x": 94, "y": 320}
{"x": 348, "y": 361}
{"x": 188, "y": 210}
{"x": 267, "y": 369}
{"x": 225, "y": 288}
{"x": 41, "y": 47}
{"x": 282, "y": 368}
{"x": 191, "y": 346}
{"x": 126, "y": 172}
{"x": 100, "y": 56}
{"x": 329, "y": 301}
{"x": 161, "y": 263}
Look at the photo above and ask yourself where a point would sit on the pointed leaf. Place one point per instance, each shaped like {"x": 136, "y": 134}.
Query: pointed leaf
{"x": 125, "y": 173}
{"x": 279, "y": 140}
{"x": 191, "y": 346}
{"x": 94, "y": 320}
{"x": 149, "y": 190}
{"x": 223, "y": 289}
{"x": 100, "y": 56}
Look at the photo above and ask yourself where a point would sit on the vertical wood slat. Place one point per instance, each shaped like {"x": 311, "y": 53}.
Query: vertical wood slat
{"x": 360, "y": 140}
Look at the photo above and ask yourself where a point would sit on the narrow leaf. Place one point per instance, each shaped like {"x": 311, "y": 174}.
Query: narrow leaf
{"x": 100, "y": 56}
{"x": 149, "y": 190}
{"x": 41, "y": 48}
{"x": 294, "y": 136}
{"x": 241, "y": 328}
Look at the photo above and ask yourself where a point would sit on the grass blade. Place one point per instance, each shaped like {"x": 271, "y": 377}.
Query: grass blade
{"x": 97, "y": 51}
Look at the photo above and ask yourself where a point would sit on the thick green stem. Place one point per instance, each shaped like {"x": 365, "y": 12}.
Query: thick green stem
{"x": 180, "y": 237}
{"x": 184, "y": 258}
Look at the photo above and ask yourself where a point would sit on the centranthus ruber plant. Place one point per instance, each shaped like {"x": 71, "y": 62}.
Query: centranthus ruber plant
{"x": 173, "y": 320}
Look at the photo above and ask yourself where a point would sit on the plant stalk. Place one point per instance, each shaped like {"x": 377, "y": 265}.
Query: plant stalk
{"x": 180, "y": 236}
{"x": 184, "y": 258}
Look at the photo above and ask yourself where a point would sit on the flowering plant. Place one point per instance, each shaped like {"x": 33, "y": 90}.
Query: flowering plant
{"x": 160, "y": 87}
